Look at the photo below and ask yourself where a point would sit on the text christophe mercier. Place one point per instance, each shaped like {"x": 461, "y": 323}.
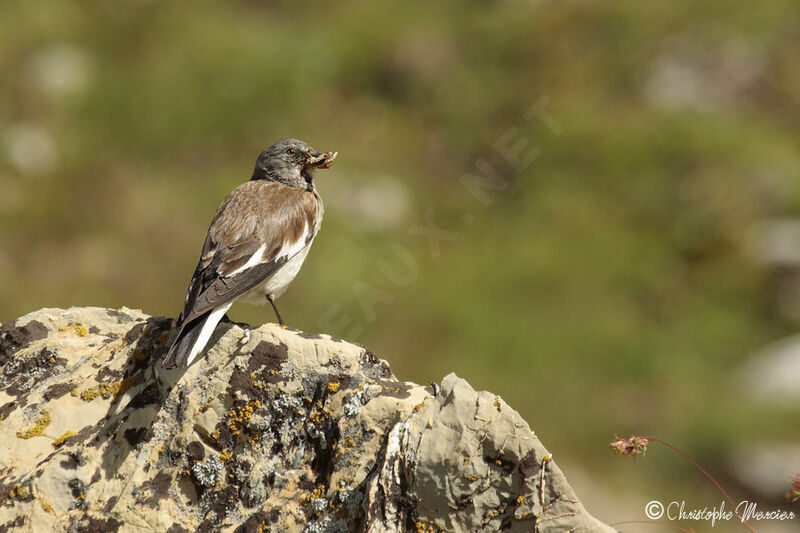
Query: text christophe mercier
{"x": 745, "y": 510}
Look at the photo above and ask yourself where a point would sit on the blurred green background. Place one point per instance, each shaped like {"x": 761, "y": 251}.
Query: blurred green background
{"x": 621, "y": 283}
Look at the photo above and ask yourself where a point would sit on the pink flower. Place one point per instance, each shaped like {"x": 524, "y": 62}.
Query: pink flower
{"x": 633, "y": 446}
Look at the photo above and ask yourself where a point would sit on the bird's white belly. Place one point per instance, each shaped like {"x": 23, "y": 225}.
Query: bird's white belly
{"x": 277, "y": 283}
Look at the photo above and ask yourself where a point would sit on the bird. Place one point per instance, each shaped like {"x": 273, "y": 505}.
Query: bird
{"x": 256, "y": 244}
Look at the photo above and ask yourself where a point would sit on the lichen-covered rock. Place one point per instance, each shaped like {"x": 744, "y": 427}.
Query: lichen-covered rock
{"x": 273, "y": 430}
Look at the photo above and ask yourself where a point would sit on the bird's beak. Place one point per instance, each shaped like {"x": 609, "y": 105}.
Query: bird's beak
{"x": 318, "y": 160}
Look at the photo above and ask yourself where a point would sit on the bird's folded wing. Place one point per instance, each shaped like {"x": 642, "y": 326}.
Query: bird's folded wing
{"x": 225, "y": 289}
{"x": 258, "y": 228}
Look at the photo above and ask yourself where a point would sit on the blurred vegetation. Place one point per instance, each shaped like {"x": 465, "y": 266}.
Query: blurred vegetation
{"x": 611, "y": 288}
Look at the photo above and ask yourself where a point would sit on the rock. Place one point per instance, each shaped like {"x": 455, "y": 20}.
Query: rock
{"x": 282, "y": 432}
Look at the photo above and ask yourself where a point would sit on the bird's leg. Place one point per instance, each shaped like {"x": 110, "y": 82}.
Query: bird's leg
{"x": 277, "y": 314}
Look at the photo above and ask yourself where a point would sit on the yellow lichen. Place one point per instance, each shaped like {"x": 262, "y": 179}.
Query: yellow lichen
{"x": 79, "y": 330}
{"x": 419, "y": 406}
{"x": 106, "y": 390}
{"x": 426, "y": 527}
{"x": 473, "y": 477}
{"x": 318, "y": 413}
{"x": 46, "y": 507}
{"x": 347, "y": 445}
{"x": 60, "y": 440}
{"x": 497, "y": 402}
{"x": 333, "y": 386}
{"x": 520, "y": 499}
{"x": 38, "y": 427}
{"x": 318, "y": 492}
{"x": 241, "y": 416}
{"x": 19, "y": 492}
{"x": 226, "y": 455}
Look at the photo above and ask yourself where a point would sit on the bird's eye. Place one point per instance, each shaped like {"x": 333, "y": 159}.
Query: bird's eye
{"x": 290, "y": 151}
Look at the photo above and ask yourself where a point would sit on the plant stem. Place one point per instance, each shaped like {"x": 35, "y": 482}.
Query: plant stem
{"x": 710, "y": 477}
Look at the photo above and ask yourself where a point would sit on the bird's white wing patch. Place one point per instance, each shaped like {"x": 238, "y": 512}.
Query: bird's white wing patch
{"x": 256, "y": 259}
{"x": 288, "y": 251}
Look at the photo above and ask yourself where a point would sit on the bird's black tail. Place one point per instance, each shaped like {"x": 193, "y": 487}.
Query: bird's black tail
{"x": 178, "y": 354}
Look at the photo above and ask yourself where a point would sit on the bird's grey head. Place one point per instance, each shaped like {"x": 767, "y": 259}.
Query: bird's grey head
{"x": 291, "y": 162}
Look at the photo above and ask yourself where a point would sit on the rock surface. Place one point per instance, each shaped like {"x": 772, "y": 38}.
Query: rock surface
{"x": 273, "y": 430}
